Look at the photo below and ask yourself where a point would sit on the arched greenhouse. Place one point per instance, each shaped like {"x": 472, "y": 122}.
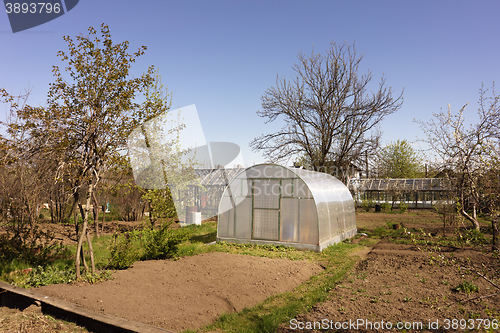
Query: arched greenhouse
{"x": 272, "y": 204}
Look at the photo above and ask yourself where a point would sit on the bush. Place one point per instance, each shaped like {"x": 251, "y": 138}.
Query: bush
{"x": 403, "y": 207}
{"x": 385, "y": 207}
{"x": 367, "y": 204}
{"x": 123, "y": 254}
{"x": 33, "y": 246}
{"x": 161, "y": 243}
{"x": 43, "y": 276}
{"x": 475, "y": 237}
{"x": 51, "y": 274}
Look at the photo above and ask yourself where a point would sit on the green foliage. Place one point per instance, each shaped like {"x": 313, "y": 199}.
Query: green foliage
{"x": 123, "y": 253}
{"x": 467, "y": 287}
{"x": 474, "y": 237}
{"x": 403, "y": 207}
{"x": 33, "y": 246}
{"x": 89, "y": 115}
{"x": 43, "y": 276}
{"x": 161, "y": 203}
{"x": 400, "y": 160}
{"x": 162, "y": 243}
{"x": 52, "y": 274}
{"x": 385, "y": 207}
{"x": 367, "y": 204}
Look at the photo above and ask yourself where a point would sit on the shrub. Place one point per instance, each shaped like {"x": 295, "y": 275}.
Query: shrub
{"x": 162, "y": 243}
{"x": 32, "y": 246}
{"x": 123, "y": 254}
{"x": 403, "y": 207}
{"x": 42, "y": 276}
{"x": 475, "y": 237}
{"x": 367, "y": 204}
{"x": 385, "y": 207}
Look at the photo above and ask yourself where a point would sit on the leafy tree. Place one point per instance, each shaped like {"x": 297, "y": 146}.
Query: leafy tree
{"x": 88, "y": 116}
{"x": 329, "y": 115}
{"x": 399, "y": 160}
{"x": 161, "y": 167}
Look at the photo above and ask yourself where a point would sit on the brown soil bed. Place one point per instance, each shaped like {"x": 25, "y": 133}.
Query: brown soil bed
{"x": 189, "y": 292}
{"x": 397, "y": 283}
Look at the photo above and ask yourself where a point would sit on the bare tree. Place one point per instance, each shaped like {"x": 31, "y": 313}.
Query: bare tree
{"x": 330, "y": 117}
{"x": 470, "y": 153}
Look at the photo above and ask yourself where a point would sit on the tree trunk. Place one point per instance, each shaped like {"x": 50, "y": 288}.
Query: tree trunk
{"x": 91, "y": 253}
{"x": 76, "y": 198}
{"x": 96, "y": 216}
{"x": 75, "y": 217}
{"x": 103, "y": 218}
{"x": 496, "y": 233}
{"x": 84, "y": 233}
{"x": 474, "y": 221}
{"x": 53, "y": 212}
{"x": 79, "y": 248}
{"x": 84, "y": 261}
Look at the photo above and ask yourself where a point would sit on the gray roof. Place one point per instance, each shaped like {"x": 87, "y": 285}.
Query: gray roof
{"x": 217, "y": 177}
{"x": 417, "y": 184}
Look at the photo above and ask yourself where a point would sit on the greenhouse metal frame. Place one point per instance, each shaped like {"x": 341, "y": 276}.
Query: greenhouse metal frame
{"x": 416, "y": 193}
{"x": 273, "y": 204}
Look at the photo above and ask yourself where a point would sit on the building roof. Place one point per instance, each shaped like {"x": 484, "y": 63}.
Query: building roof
{"x": 217, "y": 177}
{"x": 416, "y": 184}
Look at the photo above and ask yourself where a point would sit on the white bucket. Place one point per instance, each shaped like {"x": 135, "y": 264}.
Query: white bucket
{"x": 196, "y": 218}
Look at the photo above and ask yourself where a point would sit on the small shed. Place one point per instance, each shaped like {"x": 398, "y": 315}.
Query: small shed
{"x": 273, "y": 204}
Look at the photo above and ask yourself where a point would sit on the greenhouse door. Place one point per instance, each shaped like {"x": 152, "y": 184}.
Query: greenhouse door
{"x": 266, "y": 209}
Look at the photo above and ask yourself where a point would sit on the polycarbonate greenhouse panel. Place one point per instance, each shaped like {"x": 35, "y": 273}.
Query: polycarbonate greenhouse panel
{"x": 272, "y": 204}
{"x": 266, "y": 193}
{"x": 264, "y": 171}
{"x": 289, "y": 220}
{"x": 287, "y": 188}
{"x": 308, "y": 222}
{"x": 265, "y": 224}
{"x": 225, "y": 226}
{"x": 244, "y": 219}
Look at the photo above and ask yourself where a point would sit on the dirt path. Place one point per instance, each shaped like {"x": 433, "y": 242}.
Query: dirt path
{"x": 190, "y": 292}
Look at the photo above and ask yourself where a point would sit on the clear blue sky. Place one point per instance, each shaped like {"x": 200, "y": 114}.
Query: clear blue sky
{"x": 223, "y": 55}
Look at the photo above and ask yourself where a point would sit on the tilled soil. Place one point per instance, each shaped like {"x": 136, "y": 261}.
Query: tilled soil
{"x": 399, "y": 284}
{"x": 189, "y": 292}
